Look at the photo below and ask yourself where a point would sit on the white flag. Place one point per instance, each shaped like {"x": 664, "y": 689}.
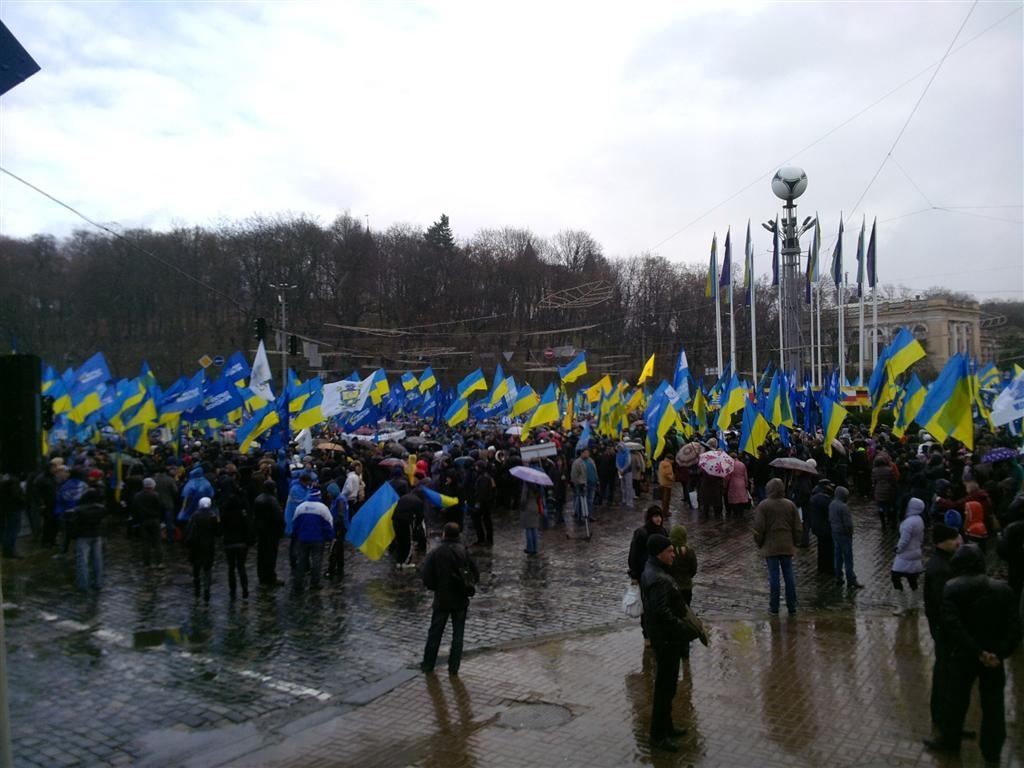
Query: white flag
{"x": 1009, "y": 405}
{"x": 345, "y": 396}
{"x": 259, "y": 379}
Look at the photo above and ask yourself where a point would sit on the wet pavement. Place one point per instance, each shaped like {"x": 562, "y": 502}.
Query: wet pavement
{"x": 142, "y": 674}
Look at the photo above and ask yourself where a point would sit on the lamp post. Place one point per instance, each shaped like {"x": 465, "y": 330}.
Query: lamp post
{"x": 281, "y": 288}
{"x": 788, "y": 184}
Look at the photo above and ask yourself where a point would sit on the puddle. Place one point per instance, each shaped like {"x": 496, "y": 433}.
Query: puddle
{"x": 534, "y": 717}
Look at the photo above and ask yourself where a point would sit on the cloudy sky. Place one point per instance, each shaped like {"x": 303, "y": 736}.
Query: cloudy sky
{"x": 626, "y": 121}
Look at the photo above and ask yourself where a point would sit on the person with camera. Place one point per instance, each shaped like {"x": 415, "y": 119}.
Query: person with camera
{"x": 450, "y": 573}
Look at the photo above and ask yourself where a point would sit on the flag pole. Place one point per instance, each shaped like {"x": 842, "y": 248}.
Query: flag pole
{"x": 782, "y": 346}
{"x": 718, "y": 326}
{"x": 874, "y": 325}
{"x": 860, "y": 345}
{"x": 842, "y": 332}
{"x": 753, "y": 328}
{"x": 732, "y": 322}
{"x": 814, "y": 377}
{"x": 821, "y": 365}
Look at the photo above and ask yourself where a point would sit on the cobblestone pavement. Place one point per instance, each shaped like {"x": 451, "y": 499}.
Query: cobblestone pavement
{"x": 140, "y": 673}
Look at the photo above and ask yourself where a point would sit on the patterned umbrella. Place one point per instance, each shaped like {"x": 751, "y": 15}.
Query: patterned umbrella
{"x": 688, "y": 455}
{"x": 999, "y": 454}
{"x": 716, "y": 463}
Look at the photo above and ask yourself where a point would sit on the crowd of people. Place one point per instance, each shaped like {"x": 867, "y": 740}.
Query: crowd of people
{"x": 953, "y": 515}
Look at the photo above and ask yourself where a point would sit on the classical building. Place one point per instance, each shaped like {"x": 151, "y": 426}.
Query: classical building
{"x": 944, "y": 326}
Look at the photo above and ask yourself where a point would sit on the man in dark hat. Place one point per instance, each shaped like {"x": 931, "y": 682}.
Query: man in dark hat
{"x": 450, "y": 573}
{"x": 937, "y": 572}
{"x": 664, "y": 610}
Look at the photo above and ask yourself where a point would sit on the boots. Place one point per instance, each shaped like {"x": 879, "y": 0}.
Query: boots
{"x": 913, "y": 601}
{"x": 902, "y": 603}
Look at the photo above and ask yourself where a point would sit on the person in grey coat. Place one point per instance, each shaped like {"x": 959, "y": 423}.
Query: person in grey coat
{"x": 909, "y": 561}
{"x": 841, "y": 522}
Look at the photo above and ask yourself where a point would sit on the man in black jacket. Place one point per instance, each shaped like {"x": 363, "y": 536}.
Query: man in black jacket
{"x": 653, "y": 523}
{"x": 147, "y": 511}
{"x": 268, "y": 520}
{"x": 449, "y": 572}
{"x": 937, "y": 572}
{"x": 981, "y": 621}
{"x": 84, "y": 525}
{"x": 821, "y": 497}
{"x": 664, "y": 610}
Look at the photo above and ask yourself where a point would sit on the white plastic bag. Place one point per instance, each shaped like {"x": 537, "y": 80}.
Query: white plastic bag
{"x": 693, "y": 499}
{"x": 631, "y": 605}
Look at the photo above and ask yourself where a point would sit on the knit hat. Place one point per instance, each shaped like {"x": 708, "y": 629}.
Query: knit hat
{"x": 149, "y": 482}
{"x": 205, "y": 503}
{"x": 915, "y": 507}
{"x": 953, "y": 519}
{"x": 941, "y": 533}
{"x": 656, "y": 544}
{"x": 677, "y": 536}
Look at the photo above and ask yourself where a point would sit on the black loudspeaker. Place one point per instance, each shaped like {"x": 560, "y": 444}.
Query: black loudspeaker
{"x": 21, "y": 442}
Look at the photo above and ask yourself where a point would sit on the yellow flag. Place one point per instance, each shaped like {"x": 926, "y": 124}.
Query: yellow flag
{"x": 647, "y": 372}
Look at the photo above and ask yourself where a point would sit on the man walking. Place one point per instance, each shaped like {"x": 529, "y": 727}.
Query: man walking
{"x": 777, "y": 531}
{"x": 312, "y": 529}
{"x": 148, "y": 511}
{"x": 450, "y": 573}
{"x": 664, "y": 610}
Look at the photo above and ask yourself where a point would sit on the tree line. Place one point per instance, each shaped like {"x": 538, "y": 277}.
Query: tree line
{"x": 400, "y": 298}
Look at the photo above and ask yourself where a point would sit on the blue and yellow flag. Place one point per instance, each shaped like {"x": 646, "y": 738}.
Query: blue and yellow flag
{"x": 576, "y": 368}
{"x": 499, "y": 389}
{"x": 457, "y": 412}
{"x": 910, "y": 405}
{"x": 474, "y": 382}
{"x": 311, "y": 414}
{"x": 947, "y": 408}
{"x": 427, "y": 379}
{"x": 754, "y": 431}
{"x": 547, "y": 409}
{"x": 371, "y": 531}
{"x": 437, "y": 499}
{"x": 711, "y": 284}
{"x": 409, "y": 381}
{"x": 526, "y": 400}
{"x": 260, "y": 422}
{"x": 732, "y": 401}
{"x": 832, "y": 417}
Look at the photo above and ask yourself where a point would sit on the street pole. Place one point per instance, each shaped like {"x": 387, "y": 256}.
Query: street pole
{"x": 821, "y": 365}
{"x": 753, "y": 329}
{"x": 810, "y": 292}
{"x": 6, "y": 755}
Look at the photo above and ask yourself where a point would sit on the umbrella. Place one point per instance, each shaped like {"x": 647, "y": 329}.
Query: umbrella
{"x": 716, "y": 463}
{"x": 391, "y": 463}
{"x": 514, "y": 431}
{"x": 688, "y": 455}
{"x": 632, "y": 446}
{"x": 999, "y": 454}
{"x": 797, "y": 465}
{"x": 530, "y": 475}
{"x": 464, "y": 460}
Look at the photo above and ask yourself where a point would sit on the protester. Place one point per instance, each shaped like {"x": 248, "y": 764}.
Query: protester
{"x": 147, "y": 509}
{"x": 653, "y": 525}
{"x": 450, "y": 573}
{"x": 909, "y": 561}
{"x": 841, "y": 524}
{"x": 312, "y": 530}
{"x": 201, "y": 533}
{"x": 84, "y": 525}
{"x": 268, "y": 522}
{"x": 937, "y": 572}
{"x": 666, "y": 479}
{"x": 777, "y": 532}
{"x": 683, "y": 569}
{"x": 883, "y": 481}
{"x": 821, "y": 527}
{"x": 237, "y": 530}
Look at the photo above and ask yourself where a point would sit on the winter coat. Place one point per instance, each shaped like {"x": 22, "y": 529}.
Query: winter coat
{"x": 146, "y": 506}
{"x": 638, "y": 548}
{"x": 529, "y": 516}
{"x": 87, "y": 517}
{"x": 442, "y": 574}
{"x": 664, "y": 607}
{"x": 666, "y": 473}
{"x": 201, "y": 537}
{"x": 839, "y": 518}
{"x": 235, "y": 524}
{"x": 736, "y": 489}
{"x": 313, "y": 523}
{"x": 684, "y": 567}
{"x": 883, "y": 478}
{"x": 979, "y": 613}
{"x": 167, "y": 490}
{"x": 297, "y": 493}
{"x": 910, "y": 547}
{"x": 938, "y": 571}
{"x": 267, "y": 515}
{"x": 578, "y": 472}
{"x": 818, "y": 512}
{"x": 709, "y": 491}
{"x": 196, "y": 488}
{"x": 777, "y": 529}
{"x": 68, "y": 495}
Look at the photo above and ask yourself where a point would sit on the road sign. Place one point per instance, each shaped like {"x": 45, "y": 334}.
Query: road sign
{"x": 549, "y": 354}
{"x": 712, "y": 371}
{"x": 218, "y": 360}
{"x": 206, "y": 361}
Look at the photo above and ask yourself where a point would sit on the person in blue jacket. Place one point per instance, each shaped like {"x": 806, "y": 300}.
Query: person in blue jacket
{"x": 298, "y": 492}
{"x": 197, "y": 487}
{"x": 312, "y": 529}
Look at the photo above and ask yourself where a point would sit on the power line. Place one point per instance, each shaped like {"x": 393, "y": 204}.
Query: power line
{"x": 128, "y": 242}
{"x": 838, "y": 127}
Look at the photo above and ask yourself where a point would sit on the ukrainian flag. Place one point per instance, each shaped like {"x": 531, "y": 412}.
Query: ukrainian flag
{"x": 145, "y": 415}
{"x": 371, "y": 531}
{"x": 832, "y": 417}
{"x": 526, "y": 400}
{"x": 427, "y": 379}
{"x": 575, "y": 369}
{"x": 988, "y": 377}
{"x": 474, "y": 382}
{"x": 499, "y": 389}
{"x": 260, "y": 422}
{"x": 379, "y": 387}
{"x": 754, "y": 431}
{"x": 732, "y": 401}
{"x": 947, "y": 408}
{"x": 547, "y": 409}
{"x": 904, "y": 351}
{"x": 457, "y": 412}
{"x": 437, "y": 499}
{"x": 779, "y": 409}
{"x": 913, "y": 398}
{"x": 311, "y": 413}
{"x": 409, "y": 381}
{"x": 700, "y": 409}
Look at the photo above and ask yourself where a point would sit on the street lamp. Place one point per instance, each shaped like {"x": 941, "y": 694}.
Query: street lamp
{"x": 281, "y": 288}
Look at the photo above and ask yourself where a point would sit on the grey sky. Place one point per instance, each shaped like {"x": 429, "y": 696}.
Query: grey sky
{"x": 626, "y": 122}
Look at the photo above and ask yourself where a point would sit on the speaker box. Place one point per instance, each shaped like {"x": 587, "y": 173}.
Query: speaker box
{"x": 20, "y": 436}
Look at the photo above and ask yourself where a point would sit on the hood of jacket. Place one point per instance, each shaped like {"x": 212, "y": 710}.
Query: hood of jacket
{"x": 842, "y": 494}
{"x": 196, "y": 473}
{"x": 775, "y": 488}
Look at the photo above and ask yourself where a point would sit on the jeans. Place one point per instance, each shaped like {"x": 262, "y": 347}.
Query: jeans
{"x": 89, "y": 562}
{"x": 591, "y": 493}
{"x": 843, "y": 546}
{"x": 783, "y": 563}
{"x": 531, "y": 541}
{"x": 310, "y": 555}
{"x": 581, "y": 508}
{"x": 666, "y": 678}
{"x": 438, "y": 621}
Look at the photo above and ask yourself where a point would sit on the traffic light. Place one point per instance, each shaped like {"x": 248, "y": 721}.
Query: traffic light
{"x": 293, "y": 345}
{"x": 46, "y": 412}
{"x": 259, "y": 327}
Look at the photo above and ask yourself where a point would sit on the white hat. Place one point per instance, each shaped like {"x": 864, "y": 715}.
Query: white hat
{"x": 205, "y": 503}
